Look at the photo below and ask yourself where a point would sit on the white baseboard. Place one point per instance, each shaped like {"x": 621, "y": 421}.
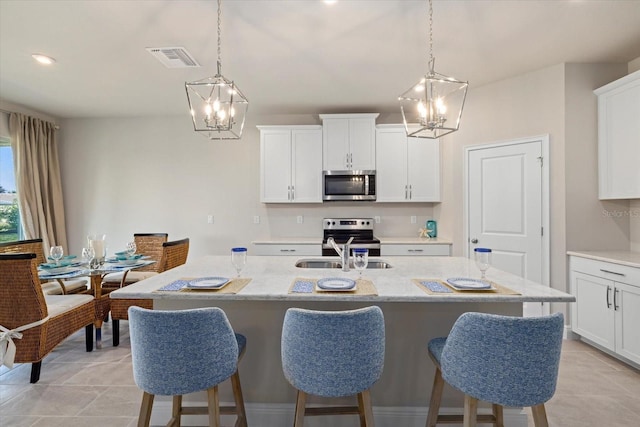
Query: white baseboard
{"x": 279, "y": 415}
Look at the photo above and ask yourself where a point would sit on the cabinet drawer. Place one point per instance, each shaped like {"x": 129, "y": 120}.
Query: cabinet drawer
{"x": 414, "y": 250}
{"x": 607, "y": 270}
{"x": 291, "y": 250}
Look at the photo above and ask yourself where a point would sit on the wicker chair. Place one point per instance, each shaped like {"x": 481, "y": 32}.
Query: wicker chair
{"x": 33, "y": 322}
{"x": 174, "y": 253}
{"x": 149, "y": 244}
{"x": 505, "y": 360}
{"x": 59, "y": 287}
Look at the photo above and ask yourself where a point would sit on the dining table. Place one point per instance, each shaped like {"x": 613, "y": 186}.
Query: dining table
{"x": 69, "y": 268}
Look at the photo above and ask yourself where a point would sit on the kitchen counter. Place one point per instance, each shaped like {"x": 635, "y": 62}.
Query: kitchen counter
{"x": 414, "y": 241}
{"x": 628, "y": 258}
{"x": 412, "y": 318}
{"x": 271, "y": 277}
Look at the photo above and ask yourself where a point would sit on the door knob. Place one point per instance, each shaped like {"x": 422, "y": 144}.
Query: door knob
{"x": 474, "y": 241}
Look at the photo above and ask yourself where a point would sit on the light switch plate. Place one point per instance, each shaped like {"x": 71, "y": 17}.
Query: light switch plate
{"x": 209, "y": 219}
{"x": 300, "y": 219}
{"x": 377, "y": 219}
{"x": 413, "y": 219}
{"x": 256, "y": 219}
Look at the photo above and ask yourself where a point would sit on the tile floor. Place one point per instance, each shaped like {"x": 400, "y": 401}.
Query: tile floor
{"x": 96, "y": 389}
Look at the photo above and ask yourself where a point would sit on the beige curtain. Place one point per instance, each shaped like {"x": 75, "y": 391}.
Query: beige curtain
{"x": 38, "y": 183}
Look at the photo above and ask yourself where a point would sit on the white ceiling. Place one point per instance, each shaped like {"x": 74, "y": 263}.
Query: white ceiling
{"x": 301, "y": 56}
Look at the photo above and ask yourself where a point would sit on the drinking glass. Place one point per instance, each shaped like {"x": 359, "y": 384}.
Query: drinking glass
{"x": 483, "y": 260}
{"x": 56, "y": 253}
{"x": 360, "y": 259}
{"x": 131, "y": 249}
{"x": 88, "y": 255}
{"x": 97, "y": 242}
{"x": 239, "y": 258}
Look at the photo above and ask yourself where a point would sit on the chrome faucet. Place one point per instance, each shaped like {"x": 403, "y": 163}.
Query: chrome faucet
{"x": 342, "y": 253}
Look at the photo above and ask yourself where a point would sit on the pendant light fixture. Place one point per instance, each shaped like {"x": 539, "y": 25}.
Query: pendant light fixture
{"x": 433, "y": 107}
{"x": 218, "y": 107}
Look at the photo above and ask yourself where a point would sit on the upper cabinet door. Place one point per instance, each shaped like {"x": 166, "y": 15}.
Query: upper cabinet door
{"x": 619, "y": 138}
{"x": 362, "y": 137}
{"x": 391, "y": 166}
{"x": 423, "y": 159}
{"x": 335, "y": 143}
{"x": 306, "y": 179}
{"x": 275, "y": 166}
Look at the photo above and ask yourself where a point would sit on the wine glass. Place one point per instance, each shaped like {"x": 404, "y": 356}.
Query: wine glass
{"x": 360, "y": 259}
{"x": 239, "y": 258}
{"x": 131, "y": 249}
{"x": 56, "y": 253}
{"x": 483, "y": 260}
{"x": 88, "y": 255}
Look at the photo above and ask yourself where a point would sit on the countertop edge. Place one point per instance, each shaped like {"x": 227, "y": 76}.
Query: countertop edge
{"x": 628, "y": 258}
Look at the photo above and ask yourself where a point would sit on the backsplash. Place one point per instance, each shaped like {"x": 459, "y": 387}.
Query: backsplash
{"x": 634, "y": 217}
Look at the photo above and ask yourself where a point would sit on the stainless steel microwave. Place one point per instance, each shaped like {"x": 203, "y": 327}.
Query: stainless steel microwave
{"x": 349, "y": 185}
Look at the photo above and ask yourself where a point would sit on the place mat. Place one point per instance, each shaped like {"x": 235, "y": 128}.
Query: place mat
{"x": 233, "y": 287}
{"x": 308, "y": 286}
{"x": 439, "y": 287}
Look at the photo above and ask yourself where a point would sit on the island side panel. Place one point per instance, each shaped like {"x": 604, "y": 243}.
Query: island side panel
{"x": 408, "y": 371}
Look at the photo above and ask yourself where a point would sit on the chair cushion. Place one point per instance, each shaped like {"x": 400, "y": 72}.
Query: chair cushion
{"x": 53, "y": 288}
{"x": 57, "y": 304}
{"x": 132, "y": 277}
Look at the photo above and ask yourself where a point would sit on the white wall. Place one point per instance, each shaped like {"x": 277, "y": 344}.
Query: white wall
{"x": 155, "y": 174}
{"x": 634, "y": 211}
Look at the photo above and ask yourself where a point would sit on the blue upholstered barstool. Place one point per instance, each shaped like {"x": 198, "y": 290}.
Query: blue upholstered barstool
{"x": 333, "y": 354}
{"x": 184, "y": 351}
{"x": 504, "y": 360}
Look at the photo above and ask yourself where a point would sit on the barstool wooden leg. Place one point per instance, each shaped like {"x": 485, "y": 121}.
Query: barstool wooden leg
{"x": 144, "y": 418}
{"x": 365, "y": 409}
{"x": 214, "y": 406}
{"x": 241, "y": 421}
{"x": 176, "y": 412}
{"x": 539, "y": 416}
{"x": 436, "y": 396}
{"x": 300, "y": 408}
{"x": 497, "y": 413}
{"x": 470, "y": 411}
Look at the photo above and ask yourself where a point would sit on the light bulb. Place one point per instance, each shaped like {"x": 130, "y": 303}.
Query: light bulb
{"x": 221, "y": 114}
{"x": 216, "y": 105}
{"x": 441, "y": 108}
{"x": 422, "y": 111}
{"x": 233, "y": 112}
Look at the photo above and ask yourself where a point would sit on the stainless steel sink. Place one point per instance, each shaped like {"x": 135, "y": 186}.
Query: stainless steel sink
{"x": 329, "y": 263}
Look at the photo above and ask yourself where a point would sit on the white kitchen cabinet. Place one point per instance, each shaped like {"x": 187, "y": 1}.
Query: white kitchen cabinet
{"x": 607, "y": 308}
{"x": 348, "y": 141}
{"x": 407, "y": 169}
{"x": 619, "y": 138}
{"x": 290, "y": 164}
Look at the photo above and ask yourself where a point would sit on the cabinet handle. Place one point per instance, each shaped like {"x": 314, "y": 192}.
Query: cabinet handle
{"x": 287, "y": 250}
{"x": 410, "y": 192}
{"x": 406, "y": 192}
{"x": 293, "y": 192}
{"x": 608, "y": 290}
{"x": 350, "y": 160}
{"x": 615, "y": 300}
{"x": 416, "y": 250}
{"x": 289, "y": 192}
{"x": 612, "y": 272}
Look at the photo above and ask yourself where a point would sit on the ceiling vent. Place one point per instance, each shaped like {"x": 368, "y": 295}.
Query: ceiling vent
{"x": 173, "y": 57}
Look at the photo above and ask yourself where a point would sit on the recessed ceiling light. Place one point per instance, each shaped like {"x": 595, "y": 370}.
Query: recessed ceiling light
{"x": 330, "y": 1}
{"x": 43, "y": 59}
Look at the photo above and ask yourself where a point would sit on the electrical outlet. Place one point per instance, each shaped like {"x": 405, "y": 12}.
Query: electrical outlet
{"x": 377, "y": 219}
{"x": 413, "y": 219}
{"x": 256, "y": 219}
{"x": 300, "y": 219}
{"x": 209, "y": 219}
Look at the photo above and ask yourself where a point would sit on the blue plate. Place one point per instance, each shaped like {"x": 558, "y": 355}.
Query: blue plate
{"x": 336, "y": 284}
{"x": 207, "y": 283}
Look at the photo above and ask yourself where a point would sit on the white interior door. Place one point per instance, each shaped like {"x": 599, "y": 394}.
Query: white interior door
{"x": 505, "y": 209}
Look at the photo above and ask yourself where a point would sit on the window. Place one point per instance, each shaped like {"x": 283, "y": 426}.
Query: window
{"x": 10, "y": 227}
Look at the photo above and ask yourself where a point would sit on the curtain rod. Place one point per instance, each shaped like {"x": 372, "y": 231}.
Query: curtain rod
{"x": 2, "y": 110}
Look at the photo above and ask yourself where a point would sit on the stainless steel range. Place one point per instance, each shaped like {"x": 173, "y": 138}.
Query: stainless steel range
{"x": 343, "y": 229}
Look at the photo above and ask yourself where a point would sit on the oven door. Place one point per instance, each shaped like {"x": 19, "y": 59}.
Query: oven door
{"x": 349, "y": 185}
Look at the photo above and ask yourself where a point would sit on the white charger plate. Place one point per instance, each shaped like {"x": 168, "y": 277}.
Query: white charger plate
{"x": 208, "y": 283}
{"x": 333, "y": 284}
{"x": 466, "y": 284}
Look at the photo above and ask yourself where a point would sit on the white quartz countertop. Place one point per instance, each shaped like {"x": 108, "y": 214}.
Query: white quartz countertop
{"x": 628, "y": 258}
{"x": 272, "y": 276}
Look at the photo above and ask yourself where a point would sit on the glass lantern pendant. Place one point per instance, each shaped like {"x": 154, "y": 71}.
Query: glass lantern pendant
{"x": 218, "y": 107}
{"x": 433, "y": 107}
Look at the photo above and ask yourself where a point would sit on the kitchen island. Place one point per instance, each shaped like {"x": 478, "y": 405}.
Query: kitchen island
{"x": 412, "y": 318}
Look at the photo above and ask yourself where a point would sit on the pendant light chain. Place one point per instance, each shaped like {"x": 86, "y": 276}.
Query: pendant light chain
{"x": 431, "y": 60}
{"x": 219, "y": 38}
